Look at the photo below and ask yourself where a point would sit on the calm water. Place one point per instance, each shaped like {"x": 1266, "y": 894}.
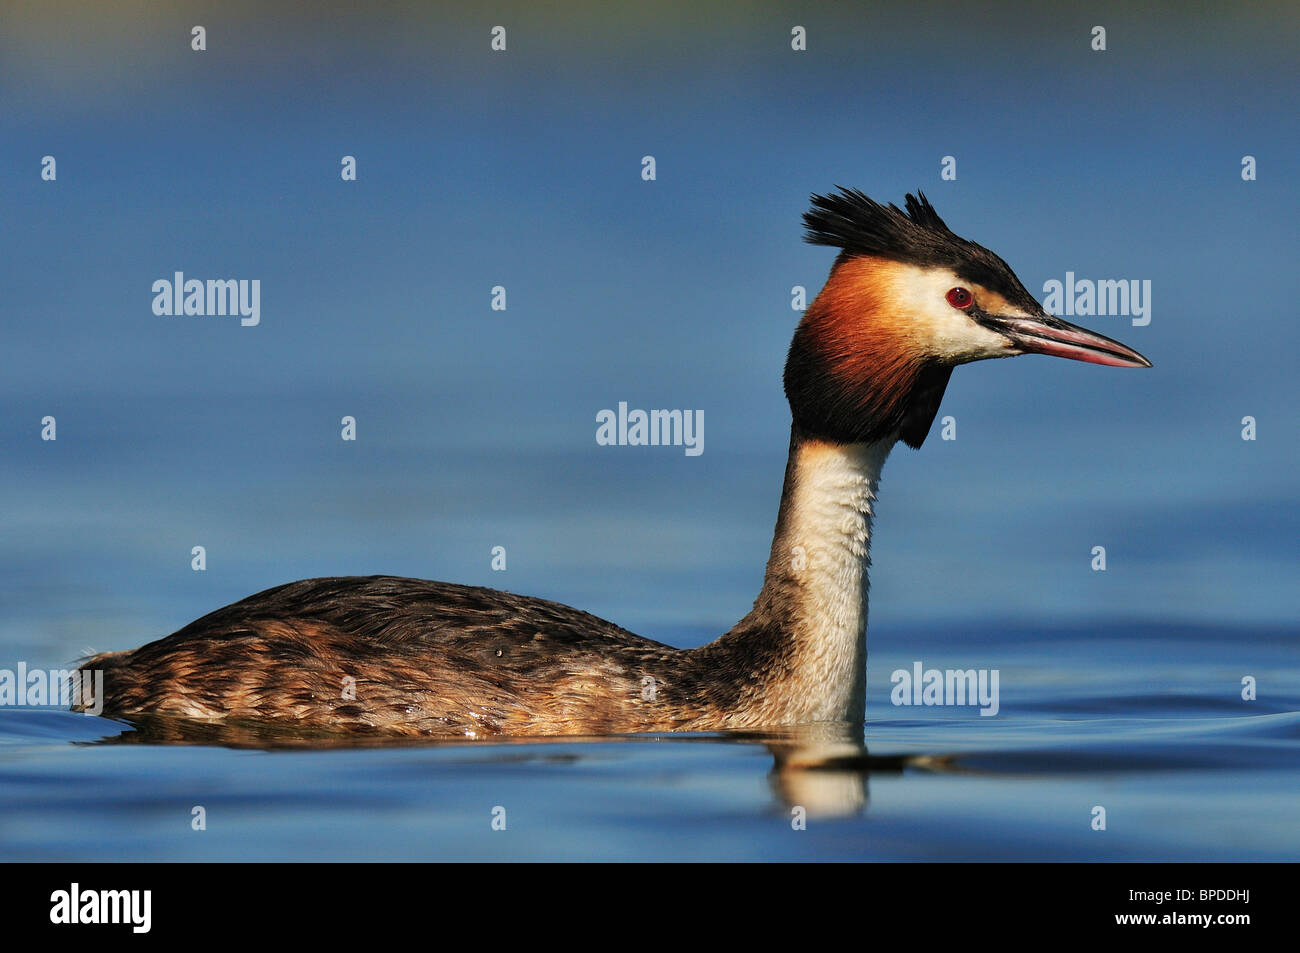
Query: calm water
{"x": 1146, "y": 722}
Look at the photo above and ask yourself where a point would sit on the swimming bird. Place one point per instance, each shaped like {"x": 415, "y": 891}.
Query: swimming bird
{"x": 905, "y": 302}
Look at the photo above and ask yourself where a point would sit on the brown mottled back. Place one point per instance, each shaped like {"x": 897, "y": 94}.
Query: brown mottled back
{"x": 426, "y": 658}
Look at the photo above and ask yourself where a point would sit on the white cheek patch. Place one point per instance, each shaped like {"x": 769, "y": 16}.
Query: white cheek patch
{"x": 965, "y": 339}
{"x": 944, "y": 331}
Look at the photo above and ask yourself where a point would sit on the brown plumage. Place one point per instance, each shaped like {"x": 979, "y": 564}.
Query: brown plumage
{"x": 852, "y": 377}
{"x": 413, "y": 657}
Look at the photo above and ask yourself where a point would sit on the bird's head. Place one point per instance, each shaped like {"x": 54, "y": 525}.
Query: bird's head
{"x": 907, "y": 300}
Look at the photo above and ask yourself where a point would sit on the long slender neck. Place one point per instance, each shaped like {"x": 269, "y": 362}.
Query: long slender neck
{"x": 804, "y": 644}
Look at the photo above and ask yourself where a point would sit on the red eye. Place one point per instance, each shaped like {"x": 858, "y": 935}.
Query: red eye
{"x": 960, "y": 298}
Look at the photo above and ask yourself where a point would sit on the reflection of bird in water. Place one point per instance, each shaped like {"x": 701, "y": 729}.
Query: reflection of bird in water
{"x": 906, "y": 302}
{"x": 824, "y": 768}
{"x": 820, "y": 768}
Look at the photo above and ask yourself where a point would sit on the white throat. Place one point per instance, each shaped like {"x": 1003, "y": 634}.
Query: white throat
{"x": 823, "y": 540}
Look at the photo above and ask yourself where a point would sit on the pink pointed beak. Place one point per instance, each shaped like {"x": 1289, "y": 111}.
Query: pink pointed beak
{"x": 1050, "y": 335}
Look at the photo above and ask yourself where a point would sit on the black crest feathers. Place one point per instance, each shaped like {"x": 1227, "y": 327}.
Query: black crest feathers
{"x": 858, "y": 225}
{"x": 851, "y": 220}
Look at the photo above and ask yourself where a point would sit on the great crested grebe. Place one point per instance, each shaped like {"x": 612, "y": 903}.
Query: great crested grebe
{"x": 905, "y": 302}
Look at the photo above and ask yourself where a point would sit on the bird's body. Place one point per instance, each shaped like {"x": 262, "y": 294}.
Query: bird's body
{"x": 905, "y": 302}
{"x": 415, "y": 657}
